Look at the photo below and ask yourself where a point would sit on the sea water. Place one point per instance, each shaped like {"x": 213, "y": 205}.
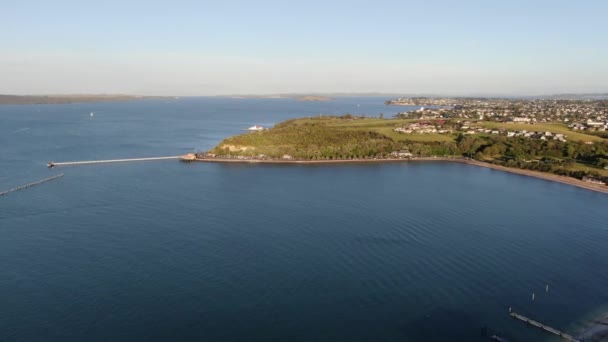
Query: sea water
{"x": 424, "y": 251}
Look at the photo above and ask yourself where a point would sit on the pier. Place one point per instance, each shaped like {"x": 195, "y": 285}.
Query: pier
{"x": 541, "y": 326}
{"x": 25, "y": 186}
{"x": 53, "y": 164}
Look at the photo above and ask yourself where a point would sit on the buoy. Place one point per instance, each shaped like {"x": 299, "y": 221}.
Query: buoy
{"x": 547, "y": 288}
{"x": 532, "y": 295}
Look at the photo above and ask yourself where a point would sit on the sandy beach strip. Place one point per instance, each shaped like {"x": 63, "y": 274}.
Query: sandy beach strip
{"x": 537, "y": 174}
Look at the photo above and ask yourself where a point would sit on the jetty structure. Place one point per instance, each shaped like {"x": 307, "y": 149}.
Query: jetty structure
{"x": 188, "y": 157}
{"x": 53, "y": 164}
{"x": 28, "y": 185}
{"x": 543, "y": 327}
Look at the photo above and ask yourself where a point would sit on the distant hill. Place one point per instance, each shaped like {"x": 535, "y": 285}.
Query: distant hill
{"x": 313, "y": 98}
{"x": 308, "y": 96}
{"x": 61, "y": 99}
{"x": 598, "y": 96}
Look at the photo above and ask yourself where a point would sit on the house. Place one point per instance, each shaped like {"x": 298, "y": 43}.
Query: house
{"x": 402, "y": 130}
{"x": 402, "y": 154}
{"x": 593, "y": 180}
{"x": 255, "y": 128}
{"x": 592, "y": 123}
{"x": 559, "y": 137}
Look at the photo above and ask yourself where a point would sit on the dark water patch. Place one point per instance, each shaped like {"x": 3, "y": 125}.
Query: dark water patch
{"x": 445, "y": 323}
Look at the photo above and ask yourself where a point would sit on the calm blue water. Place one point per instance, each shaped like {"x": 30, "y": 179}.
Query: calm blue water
{"x": 173, "y": 251}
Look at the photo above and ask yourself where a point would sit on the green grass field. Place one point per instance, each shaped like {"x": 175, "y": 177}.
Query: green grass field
{"x": 382, "y": 126}
{"x": 544, "y": 127}
{"x": 386, "y": 126}
{"x": 372, "y": 123}
{"x": 388, "y": 131}
{"x": 585, "y": 167}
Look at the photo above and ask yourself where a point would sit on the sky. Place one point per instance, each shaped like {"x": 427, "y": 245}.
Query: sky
{"x": 182, "y": 48}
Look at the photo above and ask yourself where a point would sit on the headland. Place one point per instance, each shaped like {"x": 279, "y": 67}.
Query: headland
{"x": 547, "y": 150}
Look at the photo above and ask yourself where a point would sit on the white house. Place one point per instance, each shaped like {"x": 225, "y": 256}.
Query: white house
{"x": 255, "y": 128}
{"x": 402, "y": 153}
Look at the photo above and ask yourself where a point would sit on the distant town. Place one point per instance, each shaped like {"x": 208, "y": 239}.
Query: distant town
{"x": 579, "y": 115}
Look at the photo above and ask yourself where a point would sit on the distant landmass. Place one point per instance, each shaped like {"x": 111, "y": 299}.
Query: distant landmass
{"x": 331, "y": 96}
{"x": 78, "y": 98}
{"x": 63, "y": 99}
{"x": 313, "y": 98}
{"x": 310, "y": 96}
{"x": 298, "y": 97}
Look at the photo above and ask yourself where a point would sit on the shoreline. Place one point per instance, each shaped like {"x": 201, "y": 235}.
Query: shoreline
{"x": 536, "y": 174}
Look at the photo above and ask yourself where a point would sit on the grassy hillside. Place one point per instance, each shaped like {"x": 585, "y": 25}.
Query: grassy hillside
{"x": 308, "y": 141}
{"x": 350, "y": 137}
{"x": 545, "y": 127}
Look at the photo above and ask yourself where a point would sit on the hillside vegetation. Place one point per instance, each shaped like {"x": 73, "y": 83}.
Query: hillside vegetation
{"x": 348, "y": 137}
{"x": 308, "y": 141}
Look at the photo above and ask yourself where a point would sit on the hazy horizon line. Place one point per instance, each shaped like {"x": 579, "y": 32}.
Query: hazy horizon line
{"x": 338, "y": 93}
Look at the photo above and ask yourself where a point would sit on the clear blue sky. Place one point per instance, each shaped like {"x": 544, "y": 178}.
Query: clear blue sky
{"x": 227, "y": 47}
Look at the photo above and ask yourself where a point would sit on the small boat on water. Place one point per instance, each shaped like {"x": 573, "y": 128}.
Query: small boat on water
{"x": 92, "y": 114}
